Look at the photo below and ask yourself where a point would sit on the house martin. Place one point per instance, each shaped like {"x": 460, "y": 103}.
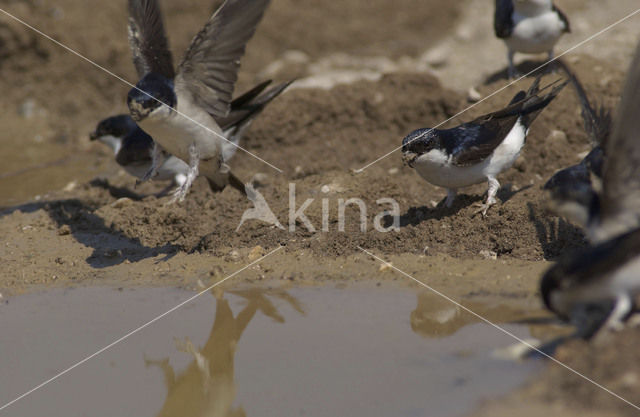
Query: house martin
{"x": 574, "y": 192}
{"x": 595, "y": 288}
{"x": 133, "y": 148}
{"x": 180, "y": 108}
{"x": 529, "y": 26}
{"x": 479, "y": 150}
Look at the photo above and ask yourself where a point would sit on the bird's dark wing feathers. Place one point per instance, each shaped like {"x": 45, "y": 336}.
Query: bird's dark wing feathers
{"x": 136, "y": 148}
{"x": 147, "y": 39}
{"x": 472, "y": 143}
{"x": 502, "y": 21}
{"x": 621, "y": 176}
{"x": 209, "y": 69}
{"x": 563, "y": 17}
{"x": 246, "y": 107}
{"x": 596, "y": 261}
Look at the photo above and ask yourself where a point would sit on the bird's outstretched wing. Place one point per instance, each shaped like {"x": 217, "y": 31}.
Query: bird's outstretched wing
{"x": 209, "y": 69}
{"x": 502, "y": 21}
{"x": 621, "y": 176}
{"x": 147, "y": 39}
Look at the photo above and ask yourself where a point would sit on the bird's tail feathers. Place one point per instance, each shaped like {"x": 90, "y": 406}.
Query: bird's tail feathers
{"x": 534, "y": 102}
{"x": 597, "y": 121}
{"x": 243, "y": 110}
{"x": 219, "y": 183}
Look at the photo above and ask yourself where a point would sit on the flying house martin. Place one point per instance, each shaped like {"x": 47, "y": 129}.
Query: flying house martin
{"x": 181, "y": 108}
{"x": 133, "y": 148}
{"x": 595, "y": 288}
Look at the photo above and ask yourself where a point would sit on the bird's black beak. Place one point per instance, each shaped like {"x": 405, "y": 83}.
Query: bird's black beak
{"x": 93, "y": 135}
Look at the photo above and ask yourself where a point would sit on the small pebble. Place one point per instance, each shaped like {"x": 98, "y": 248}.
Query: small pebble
{"x": 121, "y": 202}
{"x": 64, "y": 230}
{"x": 489, "y": 254}
{"x": 473, "y": 95}
{"x": 256, "y": 253}
{"x": 385, "y": 267}
{"x": 233, "y": 256}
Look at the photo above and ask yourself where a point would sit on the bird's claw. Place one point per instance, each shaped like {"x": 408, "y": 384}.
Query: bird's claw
{"x": 482, "y": 209}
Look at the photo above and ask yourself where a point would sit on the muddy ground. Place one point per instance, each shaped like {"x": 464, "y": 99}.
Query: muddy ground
{"x": 70, "y": 216}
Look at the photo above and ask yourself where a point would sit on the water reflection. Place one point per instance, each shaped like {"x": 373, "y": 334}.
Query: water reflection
{"x": 437, "y": 317}
{"x": 207, "y": 387}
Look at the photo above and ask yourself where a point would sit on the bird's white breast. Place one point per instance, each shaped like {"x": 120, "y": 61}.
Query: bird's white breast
{"x": 177, "y": 131}
{"x": 535, "y": 34}
{"x": 436, "y": 167}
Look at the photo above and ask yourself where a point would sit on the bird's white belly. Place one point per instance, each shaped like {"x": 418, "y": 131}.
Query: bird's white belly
{"x": 535, "y": 35}
{"x": 436, "y": 168}
{"x": 177, "y": 133}
{"x": 438, "y": 171}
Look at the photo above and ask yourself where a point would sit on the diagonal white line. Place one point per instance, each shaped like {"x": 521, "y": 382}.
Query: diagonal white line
{"x": 503, "y": 330}
{"x": 78, "y": 54}
{"x": 590, "y": 38}
{"x": 132, "y": 332}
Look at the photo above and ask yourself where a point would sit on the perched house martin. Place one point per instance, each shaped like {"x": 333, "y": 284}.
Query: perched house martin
{"x": 478, "y": 150}
{"x": 133, "y": 148}
{"x": 180, "y": 109}
{"x": 574, "y": 192}
{"x": 529, "y": 26}
{"x": 595, "y": 288}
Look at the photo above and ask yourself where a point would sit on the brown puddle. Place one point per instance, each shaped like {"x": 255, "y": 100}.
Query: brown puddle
{"x": 254, "y": 352}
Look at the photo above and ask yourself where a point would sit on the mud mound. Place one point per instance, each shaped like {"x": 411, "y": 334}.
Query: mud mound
{"x": 319, "y": 137}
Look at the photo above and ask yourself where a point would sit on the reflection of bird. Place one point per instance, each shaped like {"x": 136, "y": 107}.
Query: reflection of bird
{"x": 478, "y": 150}
{"x": 529, "y": 26}
{"x": 436, "y": 317}
{"x": 181, "y": 109}
{"x": 574, "y": 192}
{"x": 207, "y": 386}
{"x": 595, "y": 288}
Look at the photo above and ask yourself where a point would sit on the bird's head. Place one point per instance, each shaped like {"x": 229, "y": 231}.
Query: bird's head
{"x": 152, "y": 92}
{"x": 417, "y": 143}
{"x": 116, "y": 126}
{"x": 112, "y": 130}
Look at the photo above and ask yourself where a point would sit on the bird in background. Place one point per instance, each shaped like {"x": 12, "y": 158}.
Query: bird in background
{"x": 133, "y": 148}
{"x": 595, "y": 288}
{"x": 529, "y": 27}
{"x": 574, "y": 192}
{"x": 479, "y": 150}
{"x": 181, "y": 108}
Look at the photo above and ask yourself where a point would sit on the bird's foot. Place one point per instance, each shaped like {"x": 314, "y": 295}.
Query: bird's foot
{"x": 180, "y": 193}
{"x": 482, "y": 209}
{"x": 152, "y": 172}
